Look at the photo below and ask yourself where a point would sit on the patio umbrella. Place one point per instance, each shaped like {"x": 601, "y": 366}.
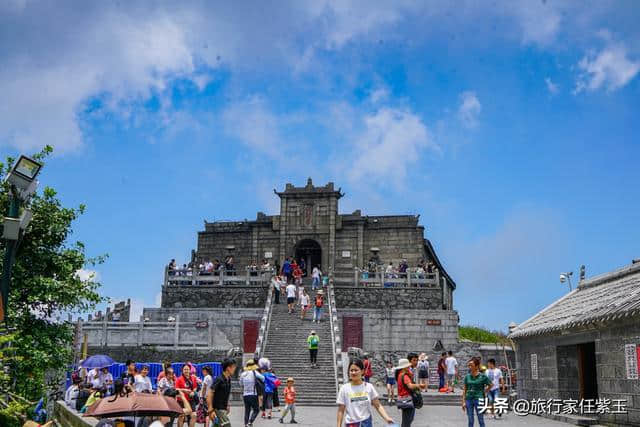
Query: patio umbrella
{"x": 134, "y": 404}
{"x": 97, "y": 361}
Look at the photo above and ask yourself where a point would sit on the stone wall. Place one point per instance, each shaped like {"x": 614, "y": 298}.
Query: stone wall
{"x": 158, "y": 339}
{"x": 557, "y": 372}
{"x": 229, "y": 321}
{"x": 397, "y": 237}
{"x": 403, "y": 330}
{"x": 422, "y": 298}
{"x": 204, "y": 296}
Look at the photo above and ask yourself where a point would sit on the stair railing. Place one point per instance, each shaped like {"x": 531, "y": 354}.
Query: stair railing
{"x": 265, "y": 322}
{"x": 338, "y": 365}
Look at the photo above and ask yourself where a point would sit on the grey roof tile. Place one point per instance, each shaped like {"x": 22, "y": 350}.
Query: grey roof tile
{"x": 605, "y": 297}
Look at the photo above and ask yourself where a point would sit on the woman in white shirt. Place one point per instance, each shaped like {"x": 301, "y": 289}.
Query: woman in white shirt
{"x": 142, "y": 382}
{"x": 250, "y": 393}
{"x": 304, "y": 303}
{"x": 356, "y": 397}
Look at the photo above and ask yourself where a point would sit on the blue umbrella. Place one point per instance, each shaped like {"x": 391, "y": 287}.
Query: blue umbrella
{"x": 97, "y": 361}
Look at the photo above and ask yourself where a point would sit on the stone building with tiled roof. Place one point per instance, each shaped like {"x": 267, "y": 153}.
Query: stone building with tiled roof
{"x": 586, "y": 345}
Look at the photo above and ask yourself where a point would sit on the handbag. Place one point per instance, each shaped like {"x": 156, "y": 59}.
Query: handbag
{"x": 405, "y": 403}
{"x": 201, "y": 414}
{"x": 414, "y": 400}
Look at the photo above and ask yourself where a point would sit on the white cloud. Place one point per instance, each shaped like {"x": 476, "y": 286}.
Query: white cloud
{"x": 123, "y": 53}
{"x": 379, "y": 94}
{"x": 469, "y": 109}
{"x": 610, "y": 68}
{"x": 539, "y": 21}
{"x": 253, "y": 124}
{"x": 389, "y": 142}
{"x": 91, "y": 275}
{"x": 551, "y": 86}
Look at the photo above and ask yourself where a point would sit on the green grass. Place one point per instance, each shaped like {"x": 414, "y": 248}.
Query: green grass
{"x": 479, "y": 334}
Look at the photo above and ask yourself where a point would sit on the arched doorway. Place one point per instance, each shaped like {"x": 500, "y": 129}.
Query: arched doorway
{"x": 310, "y": 251}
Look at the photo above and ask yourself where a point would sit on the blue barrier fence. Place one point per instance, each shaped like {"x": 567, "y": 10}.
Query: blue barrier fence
{"x": 118, "y": 369}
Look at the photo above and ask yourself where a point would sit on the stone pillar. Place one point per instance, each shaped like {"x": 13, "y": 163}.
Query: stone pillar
{"x": 210, "y": 322}
{"x": 140, "y": 331}
{"x": 176, "y": 335}
{"x": 332, "y": 232}
{"x": 283, "y": 230}
{"x": 254, "y": 244}
{"x": 360, "y": 259}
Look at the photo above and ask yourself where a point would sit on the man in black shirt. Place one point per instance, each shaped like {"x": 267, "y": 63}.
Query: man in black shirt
{"x": 219, "y": 392}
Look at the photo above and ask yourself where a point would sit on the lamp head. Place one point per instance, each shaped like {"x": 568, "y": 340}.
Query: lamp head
{"x": 563, "y": 278}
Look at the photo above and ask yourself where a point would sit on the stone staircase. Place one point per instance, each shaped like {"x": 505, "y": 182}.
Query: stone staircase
{"x": 286, "y": 347}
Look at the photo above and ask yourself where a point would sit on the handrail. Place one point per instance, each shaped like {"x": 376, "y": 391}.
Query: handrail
{"x": 379, "y": 278}
{"x": 335, "y": 335}
{"x": 177, "y": 277}
{"x": 265, "y": 322}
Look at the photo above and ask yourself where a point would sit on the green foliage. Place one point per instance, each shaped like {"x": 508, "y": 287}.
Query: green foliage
{"x": 45, "y": 286}
{"x": 479, "y": 334}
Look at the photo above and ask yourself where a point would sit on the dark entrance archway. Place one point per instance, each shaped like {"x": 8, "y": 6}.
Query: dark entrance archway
{"x": 310, "y": 251}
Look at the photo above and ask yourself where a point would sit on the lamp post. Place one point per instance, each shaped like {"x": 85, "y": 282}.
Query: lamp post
{"x": 22, "y": 185}
{"x": 566, "y": 277}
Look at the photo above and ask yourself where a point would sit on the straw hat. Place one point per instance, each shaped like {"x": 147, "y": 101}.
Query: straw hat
{"x": 290, "y": 380}
{"x": 320, "y": 292}
{"x": 402, "y": 363}
{"x": 251, "y": 365}
{"x": 313, "y": 332}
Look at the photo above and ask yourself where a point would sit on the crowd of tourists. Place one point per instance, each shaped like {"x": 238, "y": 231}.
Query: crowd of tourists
{"x": 205, "y": 399}
{"x": 215, "y": 267}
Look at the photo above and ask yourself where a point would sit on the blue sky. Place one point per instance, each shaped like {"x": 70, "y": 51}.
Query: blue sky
{"x": 510, "y": 127}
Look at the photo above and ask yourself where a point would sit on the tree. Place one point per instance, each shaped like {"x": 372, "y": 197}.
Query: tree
{"x": 45, "y": 286}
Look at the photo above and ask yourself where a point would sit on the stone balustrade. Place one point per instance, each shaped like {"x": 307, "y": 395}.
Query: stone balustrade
{"x": 407, "y": 279}
{"x": 246, "y": 277}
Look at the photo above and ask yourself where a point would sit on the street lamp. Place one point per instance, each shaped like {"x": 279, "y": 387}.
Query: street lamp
{"x": 566, "y": 277}
{"x": 22, "y": 185}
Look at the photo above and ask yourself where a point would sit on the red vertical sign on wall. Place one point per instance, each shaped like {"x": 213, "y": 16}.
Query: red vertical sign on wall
{"x": 351, "y": 332}
{"x": 250, "y": 335}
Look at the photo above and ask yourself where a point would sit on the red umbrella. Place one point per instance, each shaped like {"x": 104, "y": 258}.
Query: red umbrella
{"x": 134, "y": 404}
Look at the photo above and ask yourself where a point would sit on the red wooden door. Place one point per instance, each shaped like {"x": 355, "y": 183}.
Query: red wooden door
{"x": 351, "y": 332}
{"x": 250, "y": 334}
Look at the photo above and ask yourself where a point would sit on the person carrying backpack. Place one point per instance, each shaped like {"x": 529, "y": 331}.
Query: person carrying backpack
{"x": 83, "y": 395}
{"x": 313, "y": 340}
{"x": 317, "y": 306}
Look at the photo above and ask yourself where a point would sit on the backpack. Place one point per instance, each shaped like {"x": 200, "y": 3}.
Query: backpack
{"x": 319, "y": 302}
{"x": 83, "y": 395}
{"x": 314, "y": 340}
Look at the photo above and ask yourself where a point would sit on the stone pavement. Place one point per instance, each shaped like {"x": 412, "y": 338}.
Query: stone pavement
{"x": 434, "y": 416}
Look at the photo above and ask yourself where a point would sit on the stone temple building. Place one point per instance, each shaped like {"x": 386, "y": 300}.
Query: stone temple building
{"x": 204, "y": 317}
{"x": 309, "y": 227}
{"x": 586, "y": 345}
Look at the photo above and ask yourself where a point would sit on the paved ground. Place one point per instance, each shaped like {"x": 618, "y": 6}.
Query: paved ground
{"x": 434, "y": 416}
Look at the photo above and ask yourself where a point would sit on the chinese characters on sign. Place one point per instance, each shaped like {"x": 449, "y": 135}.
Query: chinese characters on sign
{"x": 523, "y": 407}
{"x": 631, "y": 361}
{"x": 534, "y": 366}
{"x": 434, "y": 322}
{"x": 307, "y": 215}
